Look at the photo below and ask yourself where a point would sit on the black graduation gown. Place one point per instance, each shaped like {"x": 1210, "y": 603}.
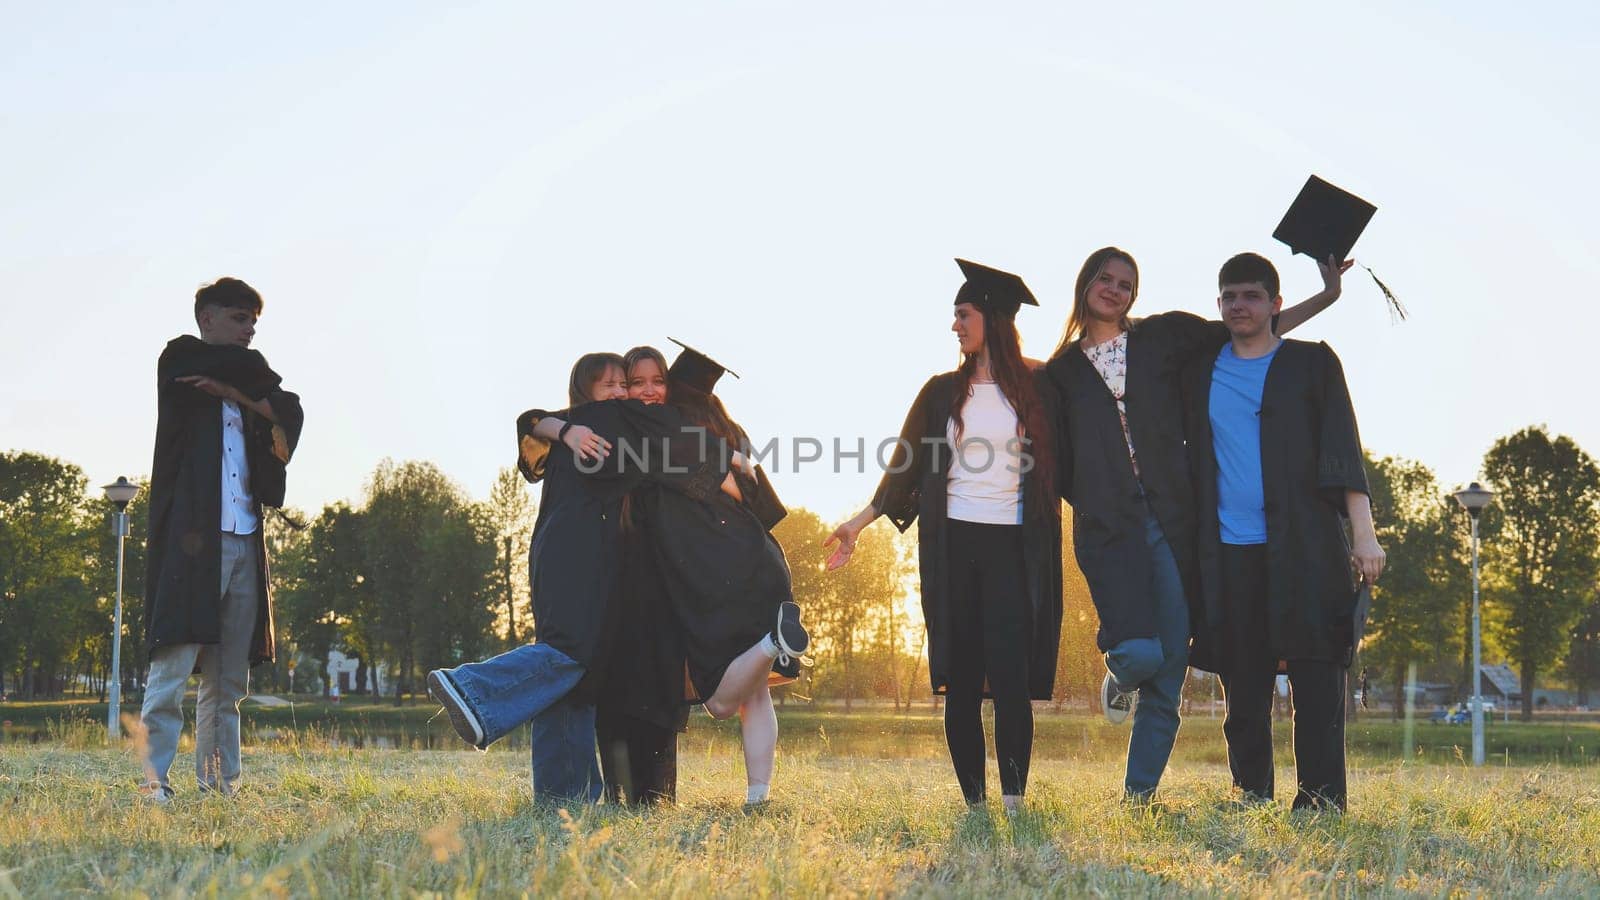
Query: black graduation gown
{"x": 1097, "y": 478}
{"x": 1310, "y": 456}
{"x": 184, "y": 564}
{"x": 576, "y": 556}
{"x": 915, "y": 489}
{"x": 644, "y": 678}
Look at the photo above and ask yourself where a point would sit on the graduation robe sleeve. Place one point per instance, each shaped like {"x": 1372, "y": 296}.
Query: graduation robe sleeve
{"x": 652, "y": 442}
{"x": 899, "y": 491}
{"x": 533, "y": 451}
{"x": 1340, "y": 466}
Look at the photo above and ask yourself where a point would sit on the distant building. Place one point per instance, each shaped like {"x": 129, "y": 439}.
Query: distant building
{"x": 1498, "y": 682}
{"x": 342, "y": 672}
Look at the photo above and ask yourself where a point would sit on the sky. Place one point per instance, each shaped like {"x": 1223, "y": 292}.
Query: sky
{"x": 444, "y": 205}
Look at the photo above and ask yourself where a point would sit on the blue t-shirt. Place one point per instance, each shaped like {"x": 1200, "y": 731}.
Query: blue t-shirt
{"x": 1236, "y": 387}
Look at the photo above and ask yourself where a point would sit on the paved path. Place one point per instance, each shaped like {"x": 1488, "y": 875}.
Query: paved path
{"x": 269, "y": 700}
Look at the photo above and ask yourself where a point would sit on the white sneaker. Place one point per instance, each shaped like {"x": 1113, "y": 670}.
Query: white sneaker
{"x": 461, "y": 715}
{"x": 1117, "y": 703}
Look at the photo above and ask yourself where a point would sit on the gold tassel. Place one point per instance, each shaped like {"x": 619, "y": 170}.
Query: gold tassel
{"x": 1395, "y": 307}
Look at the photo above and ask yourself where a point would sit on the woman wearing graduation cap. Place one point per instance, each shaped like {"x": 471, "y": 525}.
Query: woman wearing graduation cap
{"x": 1125, "y": 472}
{"x": 574, "y": 561}
{"x": 724, "y": 574}
{"x": 975, "y": 463}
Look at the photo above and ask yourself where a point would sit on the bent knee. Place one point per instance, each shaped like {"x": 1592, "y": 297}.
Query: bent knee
{"x": 720, "y": 710}
{"x": 1135, "y": 661}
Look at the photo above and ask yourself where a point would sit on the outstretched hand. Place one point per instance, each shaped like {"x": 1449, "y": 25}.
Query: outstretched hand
{"x": 845, "y": 536}
{"x": 846, "y": 539}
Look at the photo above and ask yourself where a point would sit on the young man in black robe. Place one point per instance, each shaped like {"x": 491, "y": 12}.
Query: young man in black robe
{"x": 225, "y": 432}
{"x": 1278, "y": 474}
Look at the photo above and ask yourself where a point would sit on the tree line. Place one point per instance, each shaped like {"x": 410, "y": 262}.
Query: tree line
{"x": 422, "y": 575}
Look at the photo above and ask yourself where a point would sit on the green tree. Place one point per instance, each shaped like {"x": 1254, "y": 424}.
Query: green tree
{"x": 46, "y": 606}
{"x": 1540, "y": 560}
{"x": 511, "y": 513}
{"x": 428, "y": 558}
{"x": 847, "y": 609}
{"x": 1583, "y": 657}
{"x": 1417, "y": 605}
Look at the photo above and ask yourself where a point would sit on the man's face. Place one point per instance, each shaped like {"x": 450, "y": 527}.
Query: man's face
{"x": 226, "y": 325}
{"x": 1247, "y": 309}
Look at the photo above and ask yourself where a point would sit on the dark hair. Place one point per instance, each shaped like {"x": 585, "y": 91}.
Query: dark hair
{"x": 705, "y": 410}
{"x": 1248, "y": 267}
{"x": 586, "y": 371}
{"x": 1087, "y": 275}
{"x": 1015, "y": 378}
{"x": 227, "y": 292}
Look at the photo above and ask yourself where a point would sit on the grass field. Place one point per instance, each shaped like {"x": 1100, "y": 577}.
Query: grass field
{"x": 865, "y": 805}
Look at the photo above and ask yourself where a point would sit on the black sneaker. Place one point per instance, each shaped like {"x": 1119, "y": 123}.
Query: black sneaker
{"x": 790, "y": 635}
{"x": 1116, "y": 702}
{"x": 787, "y": 667}
{"x": 461, "y": 715}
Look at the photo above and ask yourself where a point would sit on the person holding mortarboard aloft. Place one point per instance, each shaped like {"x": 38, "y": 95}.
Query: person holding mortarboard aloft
{"x": 1278, "y": 475}
{"x": 975, "y": 463}
{"x": 1124, "y": 471}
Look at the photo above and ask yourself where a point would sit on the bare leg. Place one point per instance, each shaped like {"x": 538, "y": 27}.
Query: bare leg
{"x": 758, "y": 725}
{"x": 746, "y": 673}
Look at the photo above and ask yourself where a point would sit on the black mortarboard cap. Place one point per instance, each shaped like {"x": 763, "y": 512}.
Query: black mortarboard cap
{"x": 1324, "y": 221}
{"x": 696, "y": 369}
{"x": 992, "y": 289}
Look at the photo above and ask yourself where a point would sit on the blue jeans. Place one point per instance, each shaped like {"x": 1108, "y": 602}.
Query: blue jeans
{"x": 564, "y": 763}
{"x": 510, "y": 689}
{"x": 1156, "y": 667}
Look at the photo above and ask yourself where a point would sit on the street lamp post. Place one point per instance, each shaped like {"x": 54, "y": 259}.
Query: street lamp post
{"x": 121, "y": 493}
{"x": 1473, "y": 499}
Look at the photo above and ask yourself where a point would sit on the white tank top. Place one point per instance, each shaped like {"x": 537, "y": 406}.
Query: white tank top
{"x": 985, "y": 481}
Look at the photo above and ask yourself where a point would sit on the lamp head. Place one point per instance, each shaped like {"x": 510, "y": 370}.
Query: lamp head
{"x": 121, "y": 492}
{"x": 1474, "y": 498}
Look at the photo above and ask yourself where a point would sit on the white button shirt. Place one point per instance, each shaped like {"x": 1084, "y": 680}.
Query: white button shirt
{"x": 238, "y": 515}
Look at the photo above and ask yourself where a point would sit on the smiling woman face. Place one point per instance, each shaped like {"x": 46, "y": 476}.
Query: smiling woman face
{"x": 1111, "y": 292}
{"x": 647, "y": 382}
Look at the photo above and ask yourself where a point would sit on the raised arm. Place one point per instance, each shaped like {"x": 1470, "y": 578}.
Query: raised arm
{"x": 1302, "y": 312}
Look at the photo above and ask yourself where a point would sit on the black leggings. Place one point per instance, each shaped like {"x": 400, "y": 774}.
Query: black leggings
{"x": 989, "y": 615}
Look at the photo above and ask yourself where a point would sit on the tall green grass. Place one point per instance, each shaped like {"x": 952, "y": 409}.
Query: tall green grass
{"x": 317, "y": 820}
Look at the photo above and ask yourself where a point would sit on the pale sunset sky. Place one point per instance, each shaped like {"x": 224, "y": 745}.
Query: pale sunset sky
{"x": 445, "y": 204}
